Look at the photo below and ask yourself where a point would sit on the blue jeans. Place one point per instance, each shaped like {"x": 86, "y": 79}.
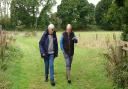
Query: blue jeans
{"x": 49, "y": 62}
{"x": 68, "y": 60}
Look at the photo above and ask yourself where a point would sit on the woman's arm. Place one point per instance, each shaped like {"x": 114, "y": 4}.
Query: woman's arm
{"x": 75, "y": 39}
{"x": 61, "y": 43}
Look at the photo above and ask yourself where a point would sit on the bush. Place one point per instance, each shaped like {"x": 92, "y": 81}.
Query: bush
{"x": 6, "y": 23}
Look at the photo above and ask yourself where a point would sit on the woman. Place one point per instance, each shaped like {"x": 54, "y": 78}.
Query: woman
{"x": 67, "y": 46}
{"x": 49, "y": 50}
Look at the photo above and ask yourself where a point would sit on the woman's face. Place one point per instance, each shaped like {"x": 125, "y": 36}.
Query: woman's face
{"x": 69, "y": 28}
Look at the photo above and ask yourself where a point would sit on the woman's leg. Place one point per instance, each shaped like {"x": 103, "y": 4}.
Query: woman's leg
{"x": 68, "y": 60}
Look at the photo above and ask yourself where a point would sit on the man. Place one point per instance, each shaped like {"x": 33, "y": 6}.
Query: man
{"x": 49, "y": 50}
{"x": 67, "y": 45}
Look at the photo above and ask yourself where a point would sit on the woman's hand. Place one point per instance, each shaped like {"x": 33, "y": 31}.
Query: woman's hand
{"x": 75, "y": 39}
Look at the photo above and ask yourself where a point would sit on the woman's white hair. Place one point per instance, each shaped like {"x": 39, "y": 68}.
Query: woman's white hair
{"x": 51, "y": 26}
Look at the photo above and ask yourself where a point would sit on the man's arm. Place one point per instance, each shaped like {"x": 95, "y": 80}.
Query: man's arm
{"x": 41, "y": 42}
{"x": 56, "y": 46}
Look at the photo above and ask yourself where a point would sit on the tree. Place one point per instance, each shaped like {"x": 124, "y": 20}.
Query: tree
{"x": 4, "y": 14}
{"x": 124, "y": 17}
{"x": 91, "y": 14}
{"x": 44, "y": 17}
{"x": 55, "y": 20}
{"x": 119, "y": 2}
{"x": 113, "y": 17}
{"x": 24, "y": 11}
{"x": 67, "y": 11}
{"x": 101, "y": 12}
{"x": 75, "y": 12}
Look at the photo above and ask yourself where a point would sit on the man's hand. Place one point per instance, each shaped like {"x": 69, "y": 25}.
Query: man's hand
{"x": 55, "y": 55}
{"x": 42, "y": 55}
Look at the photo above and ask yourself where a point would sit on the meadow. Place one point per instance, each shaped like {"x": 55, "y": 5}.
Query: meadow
{"x": 88, "y": 68}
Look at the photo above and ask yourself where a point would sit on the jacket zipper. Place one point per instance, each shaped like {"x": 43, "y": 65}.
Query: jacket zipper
{"x": 69, "y": 42}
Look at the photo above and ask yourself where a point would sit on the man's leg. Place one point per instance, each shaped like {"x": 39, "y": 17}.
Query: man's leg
{"x": 69, "y": 68}
{"x": 46, "y": 62}
{"x": 51, "y": 63}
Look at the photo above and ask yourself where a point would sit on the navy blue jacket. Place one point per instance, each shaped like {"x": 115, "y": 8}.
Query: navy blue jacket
{"x": 43, "y": 44}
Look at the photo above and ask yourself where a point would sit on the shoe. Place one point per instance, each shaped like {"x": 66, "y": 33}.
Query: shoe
{"x": 69, "y": 81}
{"x": 52, "y": 83}
{"x": 46, "y": 79}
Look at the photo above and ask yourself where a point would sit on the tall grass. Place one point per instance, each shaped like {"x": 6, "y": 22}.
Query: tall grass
{"x": 6, "y": 39}
{"x": 96, "y": 39}
{"x": 117, "y": 65}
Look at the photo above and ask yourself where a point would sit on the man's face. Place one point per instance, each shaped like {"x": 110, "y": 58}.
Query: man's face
{"x": 50, "y": 31}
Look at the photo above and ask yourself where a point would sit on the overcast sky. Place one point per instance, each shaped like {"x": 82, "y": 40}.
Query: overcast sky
{"x": 54, "y": 9}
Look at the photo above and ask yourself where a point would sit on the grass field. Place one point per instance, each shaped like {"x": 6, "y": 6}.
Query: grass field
{"x": 88, "y": 68}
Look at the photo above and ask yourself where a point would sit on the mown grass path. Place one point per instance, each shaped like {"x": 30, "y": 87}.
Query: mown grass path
{"x": 27, "y": 72}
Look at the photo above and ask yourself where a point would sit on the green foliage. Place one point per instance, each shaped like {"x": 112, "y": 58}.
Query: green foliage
{"x": 55, "y": 20}
{"x": 6, "y": 23}
{"x": 44, "y": 17}
{"x": 119, "y": 2}
{"x": 125, "y": 32}
{"x": 101, "y": 12}
{"x": 79, "y": 13}
{"x": 7, "y": 54}
{"x": 123, "y": 5}
{"x": 6, "y": 50}
{"x": 44, "y": 20}
{"x": 24, "y": 11}
{"x": 113, "y": 17}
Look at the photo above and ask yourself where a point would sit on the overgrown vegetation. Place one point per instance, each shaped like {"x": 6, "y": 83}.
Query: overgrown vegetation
{"x": 117, "y": 65}
{"x": 5, "y": 42}
{"x": 7, "y": 53}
